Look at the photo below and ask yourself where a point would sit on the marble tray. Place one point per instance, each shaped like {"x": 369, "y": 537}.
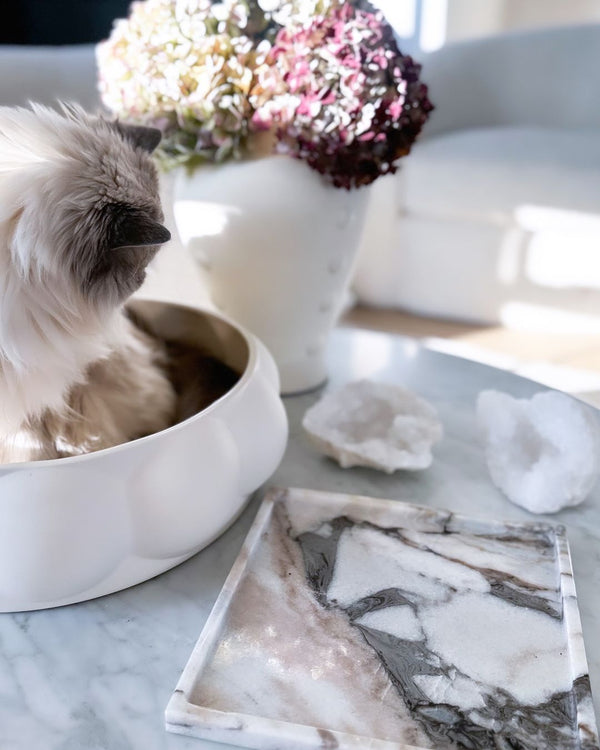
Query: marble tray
{"x": 351, "y": 622}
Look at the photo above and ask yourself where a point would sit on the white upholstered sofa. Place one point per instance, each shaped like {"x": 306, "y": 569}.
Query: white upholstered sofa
{"x": 498, "y": 206}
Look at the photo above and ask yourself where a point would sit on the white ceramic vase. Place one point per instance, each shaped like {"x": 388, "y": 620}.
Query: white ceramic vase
{"x": 279, "y": 245}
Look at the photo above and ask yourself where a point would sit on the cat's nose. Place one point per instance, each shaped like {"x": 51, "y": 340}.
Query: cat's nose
{"x": 160, "y": 234}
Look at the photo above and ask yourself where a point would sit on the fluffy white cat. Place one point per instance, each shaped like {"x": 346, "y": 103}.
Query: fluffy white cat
{"x": 80, "y": 219}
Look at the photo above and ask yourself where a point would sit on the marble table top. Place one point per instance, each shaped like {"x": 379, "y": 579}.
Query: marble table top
{"x": 98, "y": 675}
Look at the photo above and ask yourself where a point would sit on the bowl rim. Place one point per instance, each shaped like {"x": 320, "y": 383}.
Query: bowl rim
{"x": 250, "y": 369}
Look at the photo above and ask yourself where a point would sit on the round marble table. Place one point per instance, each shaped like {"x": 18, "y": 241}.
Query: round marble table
{"x": 98, "y": 675}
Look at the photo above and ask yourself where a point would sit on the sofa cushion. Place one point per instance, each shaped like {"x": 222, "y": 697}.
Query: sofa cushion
{"x": 488, "y": 218}
{"x": 485, "y": 174}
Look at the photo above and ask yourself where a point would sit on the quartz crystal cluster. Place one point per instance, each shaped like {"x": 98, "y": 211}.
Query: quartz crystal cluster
{"x": 543, "y": 452}
{"x": 380, "y": 425}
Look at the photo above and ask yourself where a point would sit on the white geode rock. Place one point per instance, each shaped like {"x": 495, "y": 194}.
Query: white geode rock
{"x": 374, "y": 424}
{"x": 543, "y": 452}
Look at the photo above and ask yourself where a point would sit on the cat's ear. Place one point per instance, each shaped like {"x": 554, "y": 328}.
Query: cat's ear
{"x": 138, "y": 230}
{"x": 140, "y": 136}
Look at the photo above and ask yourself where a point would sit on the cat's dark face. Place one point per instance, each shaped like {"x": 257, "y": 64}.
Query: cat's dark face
{"x": 105, "y": 215}
{"x": 129, "y": 238}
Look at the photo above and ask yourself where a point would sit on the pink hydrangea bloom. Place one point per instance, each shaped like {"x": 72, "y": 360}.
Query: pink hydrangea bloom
{"x": 353, "y": 104}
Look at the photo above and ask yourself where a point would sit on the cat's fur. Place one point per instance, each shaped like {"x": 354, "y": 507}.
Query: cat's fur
{"x": 80, "y": 219}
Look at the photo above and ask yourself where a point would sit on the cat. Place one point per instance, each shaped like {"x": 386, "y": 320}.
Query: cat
{"x": 80, "y": 219}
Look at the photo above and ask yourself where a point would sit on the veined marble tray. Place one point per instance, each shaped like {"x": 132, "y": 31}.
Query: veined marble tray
{"x": 351, "y": 622}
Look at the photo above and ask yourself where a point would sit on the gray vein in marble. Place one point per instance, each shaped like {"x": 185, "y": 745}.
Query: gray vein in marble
{"x": 500, "y": 721}
{"x": 282, "y": 656}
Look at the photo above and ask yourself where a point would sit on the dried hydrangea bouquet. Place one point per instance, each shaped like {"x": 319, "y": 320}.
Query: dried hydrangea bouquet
{"x": 276, "y": 115}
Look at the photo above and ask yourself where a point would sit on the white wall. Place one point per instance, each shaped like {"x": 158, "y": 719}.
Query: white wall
{"x": 473, "y": 18}
{"x": 424, "y": 25}
{"x": 534, "y": 13}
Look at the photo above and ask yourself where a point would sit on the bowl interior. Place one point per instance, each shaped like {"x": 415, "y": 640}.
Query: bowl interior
{"x": 197, "y": 329}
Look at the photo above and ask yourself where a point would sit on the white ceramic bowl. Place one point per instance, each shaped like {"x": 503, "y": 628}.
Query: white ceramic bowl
{"x": 76, "y": 528}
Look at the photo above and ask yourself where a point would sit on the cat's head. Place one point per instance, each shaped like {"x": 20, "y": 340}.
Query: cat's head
{"x": 88, "y": 218}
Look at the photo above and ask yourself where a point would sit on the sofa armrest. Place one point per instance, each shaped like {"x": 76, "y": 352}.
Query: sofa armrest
{"x": 48, "y": 74}
{"x": 543, "y": 77}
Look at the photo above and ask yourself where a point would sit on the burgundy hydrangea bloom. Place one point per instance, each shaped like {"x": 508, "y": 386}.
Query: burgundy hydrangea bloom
{"x": 351, "y": 103}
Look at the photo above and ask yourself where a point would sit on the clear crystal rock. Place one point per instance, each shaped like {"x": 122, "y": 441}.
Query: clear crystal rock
{"x": 543, "y": 452}
{"x": 374, "y": 424}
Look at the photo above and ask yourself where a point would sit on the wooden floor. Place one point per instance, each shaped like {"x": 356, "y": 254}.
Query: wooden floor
{"x": 568, "y": 360}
